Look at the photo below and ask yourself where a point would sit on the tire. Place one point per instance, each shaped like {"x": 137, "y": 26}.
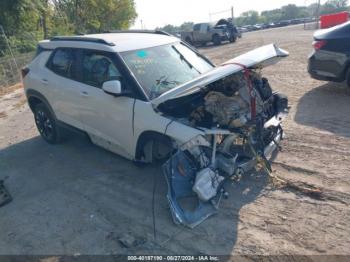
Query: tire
{"x": 46, "y": 124}
{"x": 216, "y": 40}
{"x": 161, "y": 150}
{"x": 233, "y": 39}
{"x": 189, "y": 41}
{"x": 347, "y": 80}
{"x": 156, "y": 150}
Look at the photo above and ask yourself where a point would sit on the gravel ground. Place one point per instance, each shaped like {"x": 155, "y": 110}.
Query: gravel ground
{"x": 76, "y": 198}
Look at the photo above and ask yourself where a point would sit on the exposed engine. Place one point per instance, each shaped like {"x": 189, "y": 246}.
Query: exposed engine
{"x": 238, "y": 140}
{"x": 228, "y": 102}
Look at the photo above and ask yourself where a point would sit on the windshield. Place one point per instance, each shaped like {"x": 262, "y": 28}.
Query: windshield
{"x": 159, "y": 69}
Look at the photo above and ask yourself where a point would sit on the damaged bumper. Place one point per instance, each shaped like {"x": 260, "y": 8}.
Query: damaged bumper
{"x": 240, "y": 117}
{"x": 183, "y": 168}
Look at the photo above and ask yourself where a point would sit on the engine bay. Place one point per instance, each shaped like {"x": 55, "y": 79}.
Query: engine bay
{"x": 241, "y": 117}
{"x": 226, "y": 103}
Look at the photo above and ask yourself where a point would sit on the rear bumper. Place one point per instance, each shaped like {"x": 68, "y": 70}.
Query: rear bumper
{"x": 321, "y": 75}
{"x": 324, "y": 66}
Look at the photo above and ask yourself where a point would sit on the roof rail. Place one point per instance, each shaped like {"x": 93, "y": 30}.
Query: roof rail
{"x": 81, "y": 39}
{"x": 159, "y": 32}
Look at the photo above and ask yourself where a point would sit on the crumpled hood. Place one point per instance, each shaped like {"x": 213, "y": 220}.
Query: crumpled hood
{"x": 257, "y": 58}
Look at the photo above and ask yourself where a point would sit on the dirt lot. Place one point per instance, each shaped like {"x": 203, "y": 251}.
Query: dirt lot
{"x": 76, "y": 198}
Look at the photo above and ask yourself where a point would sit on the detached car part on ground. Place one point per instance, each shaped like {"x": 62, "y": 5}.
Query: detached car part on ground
{"x": 240, "y": 117}
{"x": 148, "y": 96}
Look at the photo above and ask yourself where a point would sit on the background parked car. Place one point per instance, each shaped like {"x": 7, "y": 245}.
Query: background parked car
{"x": 330, "y": 60}
{"x": 203, "y": 33}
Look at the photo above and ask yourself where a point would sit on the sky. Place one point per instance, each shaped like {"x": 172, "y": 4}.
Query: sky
{"x": 157, "y": 13}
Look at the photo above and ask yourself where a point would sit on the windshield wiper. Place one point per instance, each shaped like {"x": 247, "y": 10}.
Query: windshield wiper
{"x": 182, "y": 57}
{"x": 163, "y": 80}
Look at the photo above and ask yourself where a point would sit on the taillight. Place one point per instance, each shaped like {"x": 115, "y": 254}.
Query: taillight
{"x": 24, "y": 72}
{"x": 318, "y": 44}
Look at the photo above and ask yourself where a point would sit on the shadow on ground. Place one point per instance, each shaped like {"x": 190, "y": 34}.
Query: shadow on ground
{"x": 326, "y": 107}
{"x": 78, "y": 198}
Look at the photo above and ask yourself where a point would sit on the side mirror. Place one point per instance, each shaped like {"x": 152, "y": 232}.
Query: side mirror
{"x": 113, "y": 87}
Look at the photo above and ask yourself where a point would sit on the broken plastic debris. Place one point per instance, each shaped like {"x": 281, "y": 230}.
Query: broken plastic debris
{"x": 180, "y": 174}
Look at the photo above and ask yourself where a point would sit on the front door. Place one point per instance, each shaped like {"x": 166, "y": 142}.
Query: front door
{"x": 107, "y": 119}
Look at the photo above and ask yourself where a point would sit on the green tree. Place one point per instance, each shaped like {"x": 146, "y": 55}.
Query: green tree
{"x": 289, "y": 12}
{"x": 339, "y": 4}
{"x": 250, "y": 17}
{"x": 187, "y": 26}
{"x": 334, "y": 6}
{"x": 91, "y": 16}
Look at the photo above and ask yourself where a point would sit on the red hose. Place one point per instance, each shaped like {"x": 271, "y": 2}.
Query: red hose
{"x": 250, "y": 88}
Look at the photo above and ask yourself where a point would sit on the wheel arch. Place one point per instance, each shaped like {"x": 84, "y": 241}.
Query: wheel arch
{"x": 34, "y": 97}
{"x": 147, "y": 136}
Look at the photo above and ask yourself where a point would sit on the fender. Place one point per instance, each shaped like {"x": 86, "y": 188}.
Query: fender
{"x": 30, "y": 93}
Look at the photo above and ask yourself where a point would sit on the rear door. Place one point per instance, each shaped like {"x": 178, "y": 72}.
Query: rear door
{"x": 108, "y": 119}
{"x": 196, "y": 32}
{"x": 64, "y": 91}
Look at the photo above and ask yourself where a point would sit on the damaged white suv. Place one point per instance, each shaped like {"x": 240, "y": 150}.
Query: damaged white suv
{"x": 145, "y": 95}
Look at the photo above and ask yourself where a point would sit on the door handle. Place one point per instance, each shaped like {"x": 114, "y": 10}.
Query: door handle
{"x": 44, "y": 81}
{"x": 84, "y": 93}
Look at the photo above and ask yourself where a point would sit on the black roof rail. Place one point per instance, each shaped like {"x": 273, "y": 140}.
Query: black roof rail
{"x": 159, "y": 32}
{"x": 81, "y": 39}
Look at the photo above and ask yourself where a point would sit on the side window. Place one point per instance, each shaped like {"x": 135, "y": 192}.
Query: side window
{"x": 62, "y": 62}
{"x": 97, "y": 68}
{"x": 196, "y": 27}
{"x": 204, "y": 28}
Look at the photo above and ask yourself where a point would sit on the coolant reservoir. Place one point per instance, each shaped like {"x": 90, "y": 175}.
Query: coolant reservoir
{"x": 206, "y": 184}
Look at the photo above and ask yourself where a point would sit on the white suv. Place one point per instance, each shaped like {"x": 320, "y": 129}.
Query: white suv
{"x": 144, "y": 94}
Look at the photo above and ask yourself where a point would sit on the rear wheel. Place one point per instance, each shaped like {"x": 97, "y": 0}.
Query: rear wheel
{"x": 46, "y": 124}
{"x": 189, "y": 41}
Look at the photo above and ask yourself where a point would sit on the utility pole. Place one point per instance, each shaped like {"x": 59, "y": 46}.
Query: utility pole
{"x": 232, "y": 14}
{"x": 318, "y": 13}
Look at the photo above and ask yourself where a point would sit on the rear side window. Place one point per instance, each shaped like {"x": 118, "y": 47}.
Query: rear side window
{"x": 62, "y": 62}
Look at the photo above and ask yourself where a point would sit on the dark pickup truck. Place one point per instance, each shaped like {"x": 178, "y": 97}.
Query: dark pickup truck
{"x": 203, "y": 33}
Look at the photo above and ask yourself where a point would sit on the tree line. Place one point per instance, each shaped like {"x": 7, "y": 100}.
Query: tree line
{"x": 27, "y": 21}
{"x": 287, "y": 12}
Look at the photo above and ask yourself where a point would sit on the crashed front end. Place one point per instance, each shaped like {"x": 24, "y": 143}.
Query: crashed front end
{"x": 240, "y": 118}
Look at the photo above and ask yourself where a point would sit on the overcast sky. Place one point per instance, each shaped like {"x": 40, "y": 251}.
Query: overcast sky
{"x": 155, "y": 13}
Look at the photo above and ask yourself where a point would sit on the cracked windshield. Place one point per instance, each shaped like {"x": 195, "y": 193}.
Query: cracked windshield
{"x": 162, "y": 68}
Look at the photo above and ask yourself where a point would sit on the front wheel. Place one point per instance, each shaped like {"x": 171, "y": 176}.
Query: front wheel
{"x": 46, "y": 124}
{"x": 216, "y": 40}
{"x": 233, "y": 39}
{"x": 348, "y": 78}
